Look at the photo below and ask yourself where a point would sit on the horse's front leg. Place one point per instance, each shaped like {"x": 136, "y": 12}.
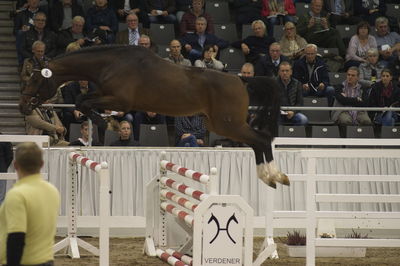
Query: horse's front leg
{"x": 270, "y": 167}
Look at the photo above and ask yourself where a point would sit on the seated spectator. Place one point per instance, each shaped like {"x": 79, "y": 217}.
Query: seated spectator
{"x": 134, "y": 7}
{"x": 370, "y": 10}
{"x": 273, "y": 11}
{"x": 359, "y": 44}
{"x": 370, "y": 71}
{"x": 45, "y": 121}
{"x": 38, "y": 32}
{"x": 125, "y": 135}
{"x": 247, "y": 71}
{"x": 21, "y": 5}
{"x": 190, "y": 131}
{"x": 256, "y": 45}
{"x": 388, "y": 41}
{"x": 146, "y": 118}
{"x": 84, "y": 139}
{"x": 291, "y": 95}
{"x": 62, "y": 12}
{"x": 351, "y": 93}
{"x": 188, "y": 22}
{"x": 208, "y": 59}
{"x": 38, "y": 48}
{"x": 385, "y": 93}
{"x": 195, "y": 42}
{"x": 175, "y": 56}
{"x": 161, "y": 11}
{"x": 314, "y": 27}
{"x": 131, "y": 35}
{"x": 182, "y": 6}
{"x": 394, "y": 66}
{"x": 341, "y": 12}
{"x": 101, "y": 22}
{"x": 74, "y": 34}
{"x": 292, "y": 44}
{"x": 268, "y": 65}
{"x": 247, "y": 11}
{"x": 312, "y": 72}
{"x": 23, "y": 20}
{"x": 146, "y": 42}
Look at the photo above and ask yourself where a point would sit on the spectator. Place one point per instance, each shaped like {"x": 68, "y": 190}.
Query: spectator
{"x": 247, "y": 71}
{"x": 292, "y": 44}
{"x": 28, "y": 216}
{"x": 161, "y": 11}
{"x": 38, "y": 48}
{"x": 74, "y": 34}
{"x": 145, "y": 42}
{"x": 370, "y": 10}
{"x": 341, "y": 12}
{"x": 125, "y": 135}
{"x": 62, "y": 13}
{"x": 208, "y": 59}
{"x": 268, "y": 65}
{"x": 101, "y": 22}
{"x": 385, "y": 93}
{"x": 351, "y": 93}
{"x": 131, "y": 35}
{"x": 388, "y": 42}
{"x": 312, "y": 72}
{"x": 247, "y": 11}
{"x": 370, "y": 71}
{"x": 84, "y": 139}
{"x": 291, "y": 95}
{"x": 24, "y": 19}
{"x": 73, "y": 46}
{"x": 190, "y": 131}
{"x": 146, "y": 118}
{"x": 175, "y": 55}
{"x": 182, "y": 6}
{"x": 6, "y": 157}
{"x": 256, "y": 45}
{"x": 132, "y": 7}
{"x": 38, "y": 32}
{"x": 195, "y": 42}
{"x": 45, "y": 121}
{"x": 314, "y": 27}
{"x": 394, "y": 66}
{"x": 275, "y": 10}
{"x": 188, "y": 22}
{"x": 359, "y": 44}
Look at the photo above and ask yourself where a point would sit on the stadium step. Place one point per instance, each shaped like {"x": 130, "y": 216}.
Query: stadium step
{"x": 9, "y": 78}
{"x": 8, "y": 69}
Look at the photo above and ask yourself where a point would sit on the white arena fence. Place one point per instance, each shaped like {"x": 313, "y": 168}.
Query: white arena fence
{"x": 180, "y": 219}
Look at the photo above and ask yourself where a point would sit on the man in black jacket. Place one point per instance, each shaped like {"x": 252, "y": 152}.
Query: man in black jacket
{"x": 268, "y": 65}
{"x": 62, "y": 13}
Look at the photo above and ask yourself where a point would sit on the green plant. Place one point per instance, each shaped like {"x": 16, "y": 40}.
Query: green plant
{"x": 354, "y": 234}
{"x": 296, "y": 239}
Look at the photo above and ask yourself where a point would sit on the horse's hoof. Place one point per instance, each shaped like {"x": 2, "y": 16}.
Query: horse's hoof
{"x": 283, "y": 179}
{"x": 267, "y": 179}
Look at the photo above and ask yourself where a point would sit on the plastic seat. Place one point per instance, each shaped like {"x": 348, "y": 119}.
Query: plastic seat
{"x": 226, "y": 32}
{"x": 325, "y": 132}
{"x": 393, "y": 10}
{"x": 292, "y": 131}
{"x": 75, "y": 132}
{"x": 163, "y": 50}
{"x": 326, "y": 51}
{"x": 336, "y": 78}
{"x": 388, "y": 132}
{"x": 360, "y": 132}
{"x": 153, "y": 135}
{"x": 162, "y": 33}
{"x": 278, "y": 32}
{"x": 233, "y": 58}
{"x": 317, "y": 117}
{"x": 302, "y": 8}
{"x": 110, "y": 136}
{"x": 219, "y": 11}
{"x": 347, "y": 31}
{"x": 246, "y": 31}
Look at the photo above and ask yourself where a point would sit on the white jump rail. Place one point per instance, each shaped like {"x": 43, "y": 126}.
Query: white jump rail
{"x": 174, "y": 197}
{"x": 308, "y": 218}
{"x": 72, "y": 241}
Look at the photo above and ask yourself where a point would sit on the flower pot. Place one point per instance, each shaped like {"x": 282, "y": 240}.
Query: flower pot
{"x": 300, "y": 251}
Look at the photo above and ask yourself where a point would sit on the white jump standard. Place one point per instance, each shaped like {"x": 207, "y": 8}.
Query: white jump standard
{"x": 216, "y": 228}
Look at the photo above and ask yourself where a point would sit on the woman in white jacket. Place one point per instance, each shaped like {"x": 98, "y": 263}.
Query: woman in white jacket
{"x": 208, "y": 59}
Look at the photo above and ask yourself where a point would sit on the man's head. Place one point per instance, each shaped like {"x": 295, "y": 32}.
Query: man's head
{"x": 67, "y": 3}
{"x": 386, "y": 76}
{"x": 275, "y": 51}
{"x": 247, "y": 70}
{"x": 39, "y": 21}
{"x": 258, "y": 28}
{"x": 38, "y": 49}
{"x": 352, "y": 75}
{"x": 33, "y": 4}
{"x": 285, "y": 71}
{"x": 125, "y": 130}
{"x": 101, "y": 3}
{"x": 382, "y": 26}
{"x": 310, "y": 52}
{"x": 175, "y": 48}
{"x": 144, "y": 41}
{"x": 132, "y": 21}
{"x": 28, "y": 159}
{"x": 197, "y": 5}
{"x": 201, "y": 25}
{"x": 316, "y": 6}
{"x": 77, "y": 24}
{"x": 151, "y": 114}
{"x": 85, "y": 130}
{"x": 372, "y": 56}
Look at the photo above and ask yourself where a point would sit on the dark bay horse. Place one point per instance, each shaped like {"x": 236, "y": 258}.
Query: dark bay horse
{"x": 134, "y": 78}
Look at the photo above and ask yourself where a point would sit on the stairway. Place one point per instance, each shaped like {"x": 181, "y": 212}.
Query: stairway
{"x": 11, "y": 121}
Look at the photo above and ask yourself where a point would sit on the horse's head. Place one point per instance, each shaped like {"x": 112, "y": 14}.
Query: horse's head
{"x": 37, "y": 90}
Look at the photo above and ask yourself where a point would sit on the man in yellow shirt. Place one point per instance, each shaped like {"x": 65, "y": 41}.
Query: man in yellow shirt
{"x": 28, "y": 215}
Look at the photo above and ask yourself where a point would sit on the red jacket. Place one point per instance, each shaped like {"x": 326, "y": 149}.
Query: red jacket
{"x": 289, "y": 7}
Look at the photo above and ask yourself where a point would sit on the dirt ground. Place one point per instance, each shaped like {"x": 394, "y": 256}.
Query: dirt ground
{"x": 128, "y": 251}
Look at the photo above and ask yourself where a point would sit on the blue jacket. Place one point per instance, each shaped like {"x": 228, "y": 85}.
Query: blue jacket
{"x": 320, "y": 72}
{"x": 211, "y": 39}
{"x": 101, "y": 17}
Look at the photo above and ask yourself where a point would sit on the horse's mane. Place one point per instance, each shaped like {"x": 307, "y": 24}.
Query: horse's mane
{"x": 100, "y": 48}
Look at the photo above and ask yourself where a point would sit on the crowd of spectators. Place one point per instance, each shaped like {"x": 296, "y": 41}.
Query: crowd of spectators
{"x": 371, "y": 58}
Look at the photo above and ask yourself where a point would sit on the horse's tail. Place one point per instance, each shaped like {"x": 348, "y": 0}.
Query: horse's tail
{"x": 267, "y": 89}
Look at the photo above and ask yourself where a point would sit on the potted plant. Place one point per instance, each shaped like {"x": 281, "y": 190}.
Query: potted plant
{"x": 296, "y": 246}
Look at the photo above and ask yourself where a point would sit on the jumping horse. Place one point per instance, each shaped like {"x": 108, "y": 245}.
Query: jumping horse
{"x": 134, "y": 78}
